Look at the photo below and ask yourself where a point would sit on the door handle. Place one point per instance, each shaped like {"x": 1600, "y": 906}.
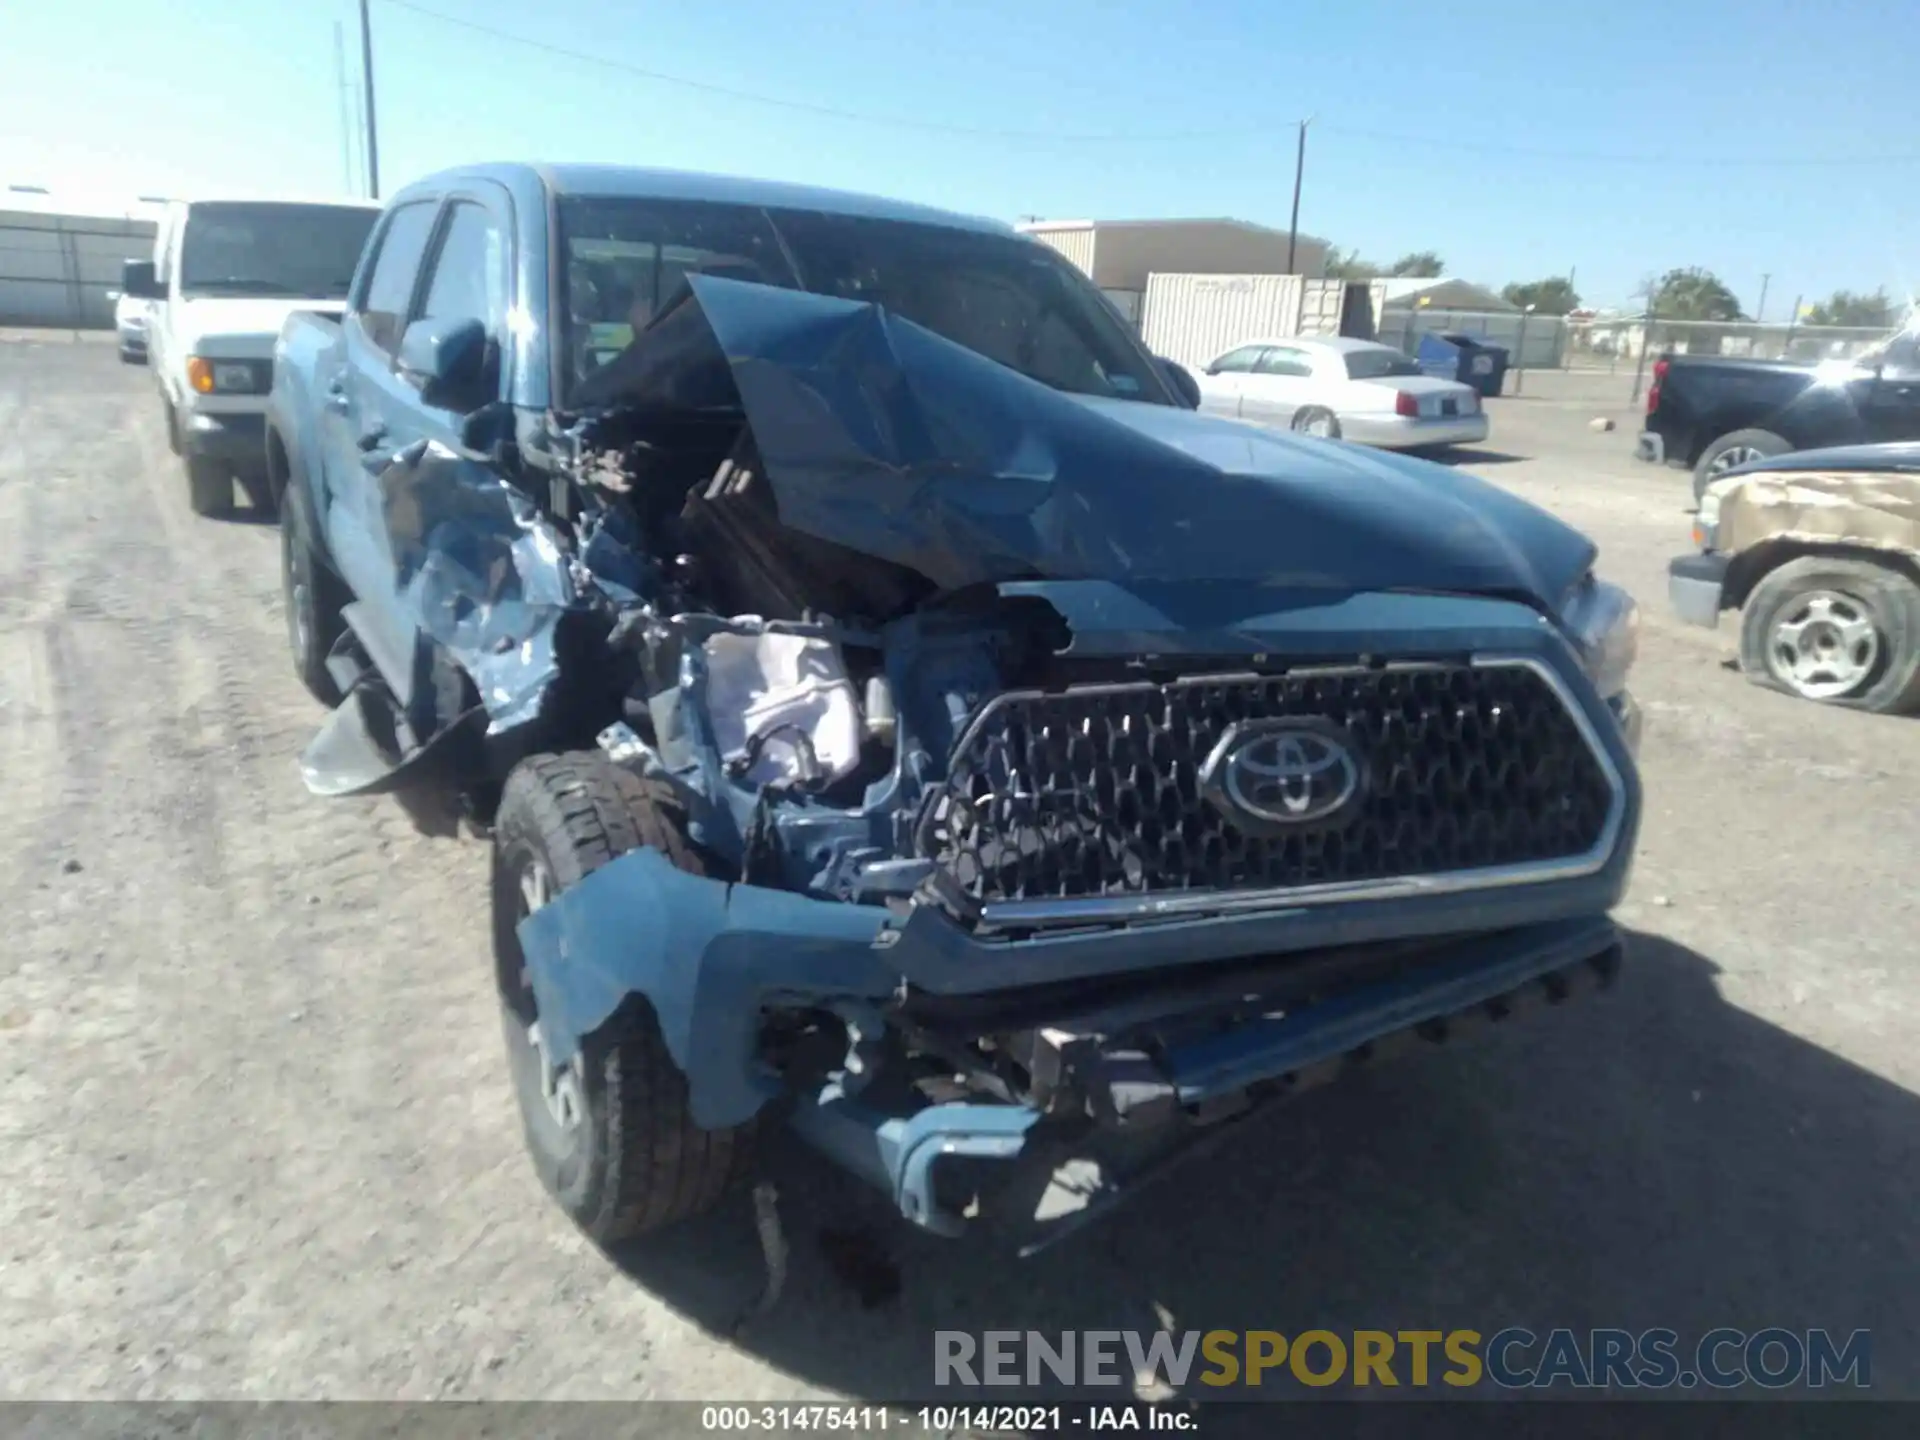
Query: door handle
{"x": 336, "y": 397}
{"x": 373, "y": 436}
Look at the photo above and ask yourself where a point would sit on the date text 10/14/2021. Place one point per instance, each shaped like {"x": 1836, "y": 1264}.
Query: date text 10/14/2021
{"x": 945, "y": 1420}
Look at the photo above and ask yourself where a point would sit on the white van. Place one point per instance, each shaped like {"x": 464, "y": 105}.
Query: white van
{"x": 224, "y": 277}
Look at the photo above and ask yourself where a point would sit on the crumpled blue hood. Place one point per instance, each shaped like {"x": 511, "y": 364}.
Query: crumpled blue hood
{"x": 884, "y": 437}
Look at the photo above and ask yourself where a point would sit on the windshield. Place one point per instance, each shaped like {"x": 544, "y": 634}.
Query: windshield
{"x": 1007, "y": 298}
{"x": 1378, "y": 364}
{"x": 308, "y": 251}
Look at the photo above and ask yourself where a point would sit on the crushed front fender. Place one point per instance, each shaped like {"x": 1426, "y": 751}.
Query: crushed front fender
{"x": 707, "y": 956}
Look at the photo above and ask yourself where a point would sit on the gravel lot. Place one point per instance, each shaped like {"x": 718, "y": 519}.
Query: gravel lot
{"x": 259, "y": 1141}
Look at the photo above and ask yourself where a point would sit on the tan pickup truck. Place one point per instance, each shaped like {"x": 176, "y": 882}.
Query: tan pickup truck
{"x": 1819, "y": 551}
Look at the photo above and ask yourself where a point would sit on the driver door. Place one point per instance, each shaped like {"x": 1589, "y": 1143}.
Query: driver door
{"x": 1280, "y": 384}
{"x": 1223, "y": 384}
{"x": 358, "y": 406}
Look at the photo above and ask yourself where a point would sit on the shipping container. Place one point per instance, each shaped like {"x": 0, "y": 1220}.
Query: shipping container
{"x": 1322, "y": 303}
{"x": 1194, "y": 319}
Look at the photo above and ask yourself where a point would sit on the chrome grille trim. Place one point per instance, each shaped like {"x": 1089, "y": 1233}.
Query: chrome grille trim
{"x": 1171, "y": 904}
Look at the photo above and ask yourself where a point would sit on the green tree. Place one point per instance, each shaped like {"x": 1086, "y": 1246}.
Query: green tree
{"x": 1347, "y": 265}
{"x": 1844, "y": 307}
{"x": 1694, "y": 294}
{"x": 1419, "y": 265}
{"x": 1553, "y": 296}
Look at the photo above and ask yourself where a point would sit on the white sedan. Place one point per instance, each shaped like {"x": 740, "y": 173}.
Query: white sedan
{"x": 130, "y": 327}
{"x": 1342, "y": 389}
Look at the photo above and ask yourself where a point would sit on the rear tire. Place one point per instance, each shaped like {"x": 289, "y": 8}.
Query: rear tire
{"x": 1837, "y": 632}
{"x": 1739, "y": 448}
{"x": 610, "y": 1134}
{"x": 209, "y": 487}
{"x": 1318, "y": 421}
{"x": 314, "y": 598}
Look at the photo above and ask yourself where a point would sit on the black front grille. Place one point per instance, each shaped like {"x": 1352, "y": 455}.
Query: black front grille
{"x": 1097, "y": 791}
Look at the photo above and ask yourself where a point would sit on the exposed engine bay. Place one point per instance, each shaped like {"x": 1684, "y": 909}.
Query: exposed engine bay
{"x": 796, "y": 545}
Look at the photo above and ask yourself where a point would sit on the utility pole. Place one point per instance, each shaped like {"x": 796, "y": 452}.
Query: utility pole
{"x": 346, "y": 121}
{"x": 1299, "y": 169}
{"x": 373, "y": 130}
{"x": 1760, "y": 310}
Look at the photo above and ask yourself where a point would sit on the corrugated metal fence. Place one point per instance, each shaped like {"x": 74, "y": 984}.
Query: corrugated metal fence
{"x": 58, "y": 270}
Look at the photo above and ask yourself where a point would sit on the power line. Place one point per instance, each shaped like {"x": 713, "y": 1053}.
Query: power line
{"x": 1250, "y": 130}
{"x": 1447, "y": 142}
{"x": 894, "y": 122}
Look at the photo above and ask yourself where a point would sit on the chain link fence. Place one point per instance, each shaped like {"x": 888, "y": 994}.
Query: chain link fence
{"x": 1532, "y": 342}
{"x": 1604, "y": 343}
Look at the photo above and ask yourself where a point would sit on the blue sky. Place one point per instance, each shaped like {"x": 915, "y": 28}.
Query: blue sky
{"x": 1517, "y": 138}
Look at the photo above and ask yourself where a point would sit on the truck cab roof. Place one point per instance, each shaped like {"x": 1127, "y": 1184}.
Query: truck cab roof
{"x": 644, "y": 182}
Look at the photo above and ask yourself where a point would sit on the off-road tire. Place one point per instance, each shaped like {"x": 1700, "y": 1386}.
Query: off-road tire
{"x": 1764, "y": 442}
{"x": 634, "y": 1161}
{"x": 1304, "y": 419}
{"x": 314, "y": 596}
{"x": 1892, "y": 686}
{"x": 209, "y": 487}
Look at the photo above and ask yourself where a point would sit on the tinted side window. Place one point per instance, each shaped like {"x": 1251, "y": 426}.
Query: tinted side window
{"x": 1285, "y": 362}
{"x": 1903, "y": 356}
{"x": 1237, "y": 362}
{"x": 470, "y": 272}
{"x": 383, "y": 309}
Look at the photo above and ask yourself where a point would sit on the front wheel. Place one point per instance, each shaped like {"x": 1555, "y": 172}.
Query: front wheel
{"x": 209, "y": 487}
{"x": 610, "y": 1131}
{"x": 1317, "y": 421}
{"x": 1729, "y": 452}
{"x": 1837, "y": 631}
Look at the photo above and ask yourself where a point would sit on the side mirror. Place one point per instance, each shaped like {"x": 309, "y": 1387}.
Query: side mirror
{"x": 1183, "y": 383}
{"x": 445, "y": 359}
{"x": 138, "y": 279}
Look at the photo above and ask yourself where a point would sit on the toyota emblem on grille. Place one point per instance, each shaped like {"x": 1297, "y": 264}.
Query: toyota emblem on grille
{"x": 1274, "y": 776}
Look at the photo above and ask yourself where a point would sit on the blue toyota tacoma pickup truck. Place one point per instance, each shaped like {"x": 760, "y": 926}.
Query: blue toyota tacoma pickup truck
{"x": 899, "y": 714}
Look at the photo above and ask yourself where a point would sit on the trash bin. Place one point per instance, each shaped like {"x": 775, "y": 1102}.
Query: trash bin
{"x": 1466, "y": 358}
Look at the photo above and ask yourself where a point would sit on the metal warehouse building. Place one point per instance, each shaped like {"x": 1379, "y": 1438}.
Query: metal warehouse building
{"x": 1119, "y": 255}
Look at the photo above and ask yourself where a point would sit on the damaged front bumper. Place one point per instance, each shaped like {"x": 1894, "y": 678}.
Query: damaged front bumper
{"x": 714, "y": 960}
{"x": 1695, "y": 586}
{"x": 1201, "y": 1094}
